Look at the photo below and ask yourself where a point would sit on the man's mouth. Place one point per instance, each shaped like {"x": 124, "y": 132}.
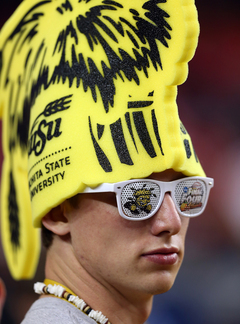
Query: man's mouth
{"x": 163, "y": 256}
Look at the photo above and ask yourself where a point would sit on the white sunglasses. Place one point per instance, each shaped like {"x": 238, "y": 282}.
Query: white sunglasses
{"x": 140, "y": 199}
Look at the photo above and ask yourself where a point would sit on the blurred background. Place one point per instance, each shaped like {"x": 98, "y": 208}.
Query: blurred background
{"x": 207, "y": 289}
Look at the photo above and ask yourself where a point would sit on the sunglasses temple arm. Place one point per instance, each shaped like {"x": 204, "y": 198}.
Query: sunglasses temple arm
{"x": 105, "y": 187}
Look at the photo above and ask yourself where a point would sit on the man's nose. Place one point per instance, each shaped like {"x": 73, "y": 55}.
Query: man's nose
{"x": 166, "y": 220}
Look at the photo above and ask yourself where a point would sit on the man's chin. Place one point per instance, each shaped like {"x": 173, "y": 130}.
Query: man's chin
{"x": 161, "y": 290}
{"x": 162, "y": 285}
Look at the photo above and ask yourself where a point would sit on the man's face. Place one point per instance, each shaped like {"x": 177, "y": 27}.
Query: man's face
{"x": 131, "y": 257}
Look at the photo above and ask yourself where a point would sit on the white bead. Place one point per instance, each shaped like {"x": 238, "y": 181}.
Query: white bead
{"x": 56, "y": 290}
{"x": 38, "y": 287}
{"x": 72, "y": 298}
{"x": 51, "y": 289}
{"x": 59, "y": 290}
{"x": 79, "y": 303}
{"x": 98, "y": 316}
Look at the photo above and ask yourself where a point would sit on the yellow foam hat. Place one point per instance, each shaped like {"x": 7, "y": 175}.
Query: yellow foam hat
{"x": 88, "y": 95}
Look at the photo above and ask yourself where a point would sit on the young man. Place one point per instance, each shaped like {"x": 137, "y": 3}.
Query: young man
{"x": 96, "y": 155}
{"x": 116, "y": 265}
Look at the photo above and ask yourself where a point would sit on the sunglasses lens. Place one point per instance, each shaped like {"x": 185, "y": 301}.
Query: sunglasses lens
{"x": 191, "y": 196}
{"x": 140, "y": 199}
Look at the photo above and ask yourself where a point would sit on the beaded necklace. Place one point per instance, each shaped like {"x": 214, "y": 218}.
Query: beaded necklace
{"x": 50, "y": 287}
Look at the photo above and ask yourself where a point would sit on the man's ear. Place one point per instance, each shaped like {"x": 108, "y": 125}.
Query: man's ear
{"x": 55, "y": 221}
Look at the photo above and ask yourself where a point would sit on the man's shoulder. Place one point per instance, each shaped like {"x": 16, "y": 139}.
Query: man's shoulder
{"x": 54, "y": 310}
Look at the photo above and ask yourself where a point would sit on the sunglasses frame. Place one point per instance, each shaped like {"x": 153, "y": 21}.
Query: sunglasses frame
{"x": 165, "y": 187}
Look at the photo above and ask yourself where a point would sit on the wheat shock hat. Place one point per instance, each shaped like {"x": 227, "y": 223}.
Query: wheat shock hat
{"x": 88, "y": 95}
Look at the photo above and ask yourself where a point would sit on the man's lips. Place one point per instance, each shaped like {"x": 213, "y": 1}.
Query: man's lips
{"x": 163, "y": 256}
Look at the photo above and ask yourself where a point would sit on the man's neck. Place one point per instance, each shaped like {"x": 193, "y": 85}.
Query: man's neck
{"x": 119, "y": 305}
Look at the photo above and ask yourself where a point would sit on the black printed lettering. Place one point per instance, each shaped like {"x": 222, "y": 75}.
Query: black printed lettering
{"x": 49, "y": 132}
{"x": 51, "y": 166}
{"x": 47, "y": 167}
{"x": 56, "y": 129}
{"x": 57, "y": 133}
{"x": 38, "y": 174}
{"x": 45, "y": 132}
{"x": 67, "y": 160}
{"x": 47, "y": 183}
{"x": 61, "y": 161}
{"x": 40, "y": 144}
{"x": 57, "y": 165}
{"x": 62, "y": 174}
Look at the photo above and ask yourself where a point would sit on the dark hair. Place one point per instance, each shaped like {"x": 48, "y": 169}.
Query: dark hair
{"x": 47, "y": 237}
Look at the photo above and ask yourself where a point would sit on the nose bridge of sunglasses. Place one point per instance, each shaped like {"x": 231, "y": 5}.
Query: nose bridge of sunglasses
{"x": 165, "y": 187}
